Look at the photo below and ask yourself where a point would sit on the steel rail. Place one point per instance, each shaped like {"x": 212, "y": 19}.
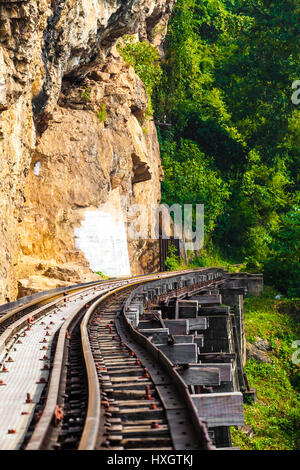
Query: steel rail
{"x": 21, "y": 322}
{"x": 42, "y": 428}
{"x": 16, "y": 325}
{"x": 59, "y": 295}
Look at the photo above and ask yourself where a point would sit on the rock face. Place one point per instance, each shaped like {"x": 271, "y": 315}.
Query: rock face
{"x": 71, "y": 133}
{"x": 258, "y": 351}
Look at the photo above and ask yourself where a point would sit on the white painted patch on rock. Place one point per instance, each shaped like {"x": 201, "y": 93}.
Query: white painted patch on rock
{"x": 36, "y": 169}
{"x": 103, "y": 240}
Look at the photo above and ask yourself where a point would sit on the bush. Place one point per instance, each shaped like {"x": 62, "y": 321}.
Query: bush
{"x": 145, "y": 60}
{"x": 102, "y": 114}
{"x": 172, "y": 262}
{"x": 86, "y": 94}
{"x": 100, "y": 273}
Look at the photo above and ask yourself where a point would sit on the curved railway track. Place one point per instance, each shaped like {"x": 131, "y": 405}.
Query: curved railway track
{"x": 104, "y": 384}
{"x": 141, "y": 407}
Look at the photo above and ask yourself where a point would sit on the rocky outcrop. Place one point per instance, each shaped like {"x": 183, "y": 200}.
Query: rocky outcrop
{"x": 44, "y": 40}
{"x": 71, "y": 132}
{"x": 259, "y": 350}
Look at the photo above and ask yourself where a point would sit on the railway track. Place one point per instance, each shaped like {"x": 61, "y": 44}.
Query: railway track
{"x": 104, "y": 384}
{"x": 21, "y": 323}
{"x": 134, "y": 408}
{"x": 132, "y": 412}
{"x": 27, "y": 332}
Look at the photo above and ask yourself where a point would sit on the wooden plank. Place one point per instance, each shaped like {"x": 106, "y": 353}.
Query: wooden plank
{"x": 157, "y": 335}
{"x": 218, "y": 356}
{"x": 187, "y": 308}
{"x": 143, "y": 430}
{"x": 135, "y": 403}
{"x": 214, "y": 310}
{"x": 199, "y": 340}
{"x": 150, "y": 331}
{"x": 183, "y": 338}
{"x": 177, "y": 309}
{"x": 142, "y": 412}
{"x": 151, "y": 443}
{"x": 199, "y": 323}
{"x": 180, "y": 353}
{"x": 177, "y": 327}
{"x": 208, "y": 299}
{"x": 196, "y": 375}
{"x": 220, "y": 409}
{"x": 120, "y": 370}
{"x": 127, "y": 379}
{"x": 138, "y": 422}
{"x": 159, "y": 339}
{"x": 217, "y": 336}
{"x": 145, "y": 324}
{"x": 224, "y": 369}
{"x": 133, "y": 317}
{"x": 205, "y": 292}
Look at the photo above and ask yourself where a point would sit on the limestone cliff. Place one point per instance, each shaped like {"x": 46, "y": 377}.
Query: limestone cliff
{"x": 71, "y": 133}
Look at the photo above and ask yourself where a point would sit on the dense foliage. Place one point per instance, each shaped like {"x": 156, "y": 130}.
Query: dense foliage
{"x": 144, "y": 58}
{"x": 229, "y": 132}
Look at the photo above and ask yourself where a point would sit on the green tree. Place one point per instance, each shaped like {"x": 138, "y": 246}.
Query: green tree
{"x": 191, "y": 179}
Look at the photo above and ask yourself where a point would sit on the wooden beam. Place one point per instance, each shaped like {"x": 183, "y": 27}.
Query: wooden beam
{"x": 224, "y": 369}
{"x": 196, "y": 375}
{"x": 157, "y": 335}
{"x": 149, "y": 331}
{"x": 218, "y": 356}
{"x": 199, "y": 323}
{"x": 177, "y": 327}
{"x": 220, "y": 409}
{"x": 183, "y": 339}
{"x": 214, "y": 310}
{"x": 199, "y": 340}
{"x": 209, "y": 299}
{"x": 180, "y": 353}
{"x": 187, "y": 308}
{"x": 177, "y": 309}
